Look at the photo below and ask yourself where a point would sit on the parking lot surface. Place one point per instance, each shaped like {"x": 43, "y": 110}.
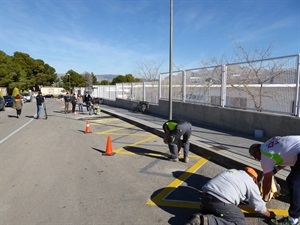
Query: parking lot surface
{"x": 52, "y": 172}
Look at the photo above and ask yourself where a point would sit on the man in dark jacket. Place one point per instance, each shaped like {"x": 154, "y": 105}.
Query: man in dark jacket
{"x": 88, "y": 101}
{"x": 67, "y": 99}
{"x": 39, "y": 104}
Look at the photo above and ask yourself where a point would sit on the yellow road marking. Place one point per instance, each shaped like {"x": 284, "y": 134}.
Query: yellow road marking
{"x": 112, "y": 130}
{"x": 159, "y": 199}
{"x": 123, "y": 134}
{"x": 137, "y": 143}
{"x": 279, "y": 212}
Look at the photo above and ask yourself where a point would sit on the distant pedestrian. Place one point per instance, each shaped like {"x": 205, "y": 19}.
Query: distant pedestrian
{"x": 39, "y": 103}
{"x": 67, "y": 99}
{"x": 174, "y": 130}
{"x": 275, "y": 154}
{"x": 223, "y": 193}
{"x": 74, "y": 102}
{"x": 88, "y": 101}
{"x": 80, "y": 103}
{"x": 18, "y": 105}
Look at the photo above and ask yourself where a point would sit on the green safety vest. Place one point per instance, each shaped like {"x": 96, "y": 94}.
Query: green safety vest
{"x": 276, "y": 157}
{"x": 171, "y": 125}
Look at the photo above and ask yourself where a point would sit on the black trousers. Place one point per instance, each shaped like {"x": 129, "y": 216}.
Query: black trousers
{"x": 220, "y": 213}
{"x": 183, "y": 130}
{"x": 293, "y": 183}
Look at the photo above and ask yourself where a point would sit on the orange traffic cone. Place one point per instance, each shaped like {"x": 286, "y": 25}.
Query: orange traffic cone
{"x": 109, "y": 151}
{"x": 87, "y": 127}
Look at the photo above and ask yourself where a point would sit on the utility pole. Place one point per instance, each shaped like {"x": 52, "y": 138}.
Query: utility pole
{"x": 171, "y": 61}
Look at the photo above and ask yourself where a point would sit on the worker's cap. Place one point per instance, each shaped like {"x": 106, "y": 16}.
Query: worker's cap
{"x": 251, "y": 171}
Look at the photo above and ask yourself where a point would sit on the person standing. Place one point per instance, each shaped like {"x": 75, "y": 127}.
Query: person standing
{"x": 39, "y": 104}
{"x": 222, "y": 195}
{"x": 275, "y": 154}
{"x": 67, "y": 102}
{"x": 174, "y": 130}
{"x": 73, "y": 102}
{"x": 18, "y": 105}
{"x": 80, "y": 103}
{"x": 88, "y": 101}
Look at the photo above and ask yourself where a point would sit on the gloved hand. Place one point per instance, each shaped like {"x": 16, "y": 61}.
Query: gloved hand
{"x": 166, "y": 140}
{"x": 272, "y": 215}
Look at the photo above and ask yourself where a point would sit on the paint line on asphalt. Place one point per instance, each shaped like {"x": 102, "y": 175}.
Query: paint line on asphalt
{"x": 13, "y": 133}
{"x": 112, "y": 130}
{"x": 160, "y": 198}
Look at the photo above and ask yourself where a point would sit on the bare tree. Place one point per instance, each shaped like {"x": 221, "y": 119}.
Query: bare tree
{"x": 89, "y": 82}
{"x": 250, "y": 75}
{"x": 257, "y": 71}
{"x": 149, "y": 70}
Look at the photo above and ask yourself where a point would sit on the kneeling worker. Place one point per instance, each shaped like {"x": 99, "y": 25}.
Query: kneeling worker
{"x": 222, "y": 195}
{"x": 174, "y": 130}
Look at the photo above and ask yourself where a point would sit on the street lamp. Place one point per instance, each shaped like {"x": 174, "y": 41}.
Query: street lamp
{"x": 69, "y": 75}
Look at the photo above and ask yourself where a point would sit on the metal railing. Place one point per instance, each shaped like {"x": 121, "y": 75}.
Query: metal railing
{"x": 270, "y": 85}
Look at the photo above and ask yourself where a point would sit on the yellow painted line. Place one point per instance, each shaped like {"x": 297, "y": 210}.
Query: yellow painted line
{"x": 159, "y": 199}
{"x": 124, "y": 134}
{"x": 112, "y": 130}
{"x": 279, "y": 212}
{"x": 137, "y": 143}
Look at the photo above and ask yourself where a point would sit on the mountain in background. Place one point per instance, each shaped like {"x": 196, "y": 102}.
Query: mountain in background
{"x": 108, "y": 77}
{"x": 101, "y": 77}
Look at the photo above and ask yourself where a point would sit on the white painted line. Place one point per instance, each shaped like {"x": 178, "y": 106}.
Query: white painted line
{"x": 4, "y": 139}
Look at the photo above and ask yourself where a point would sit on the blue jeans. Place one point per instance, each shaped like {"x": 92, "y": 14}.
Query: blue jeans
{"x": 80, "y": 107}
{"x": 39, "y": 109}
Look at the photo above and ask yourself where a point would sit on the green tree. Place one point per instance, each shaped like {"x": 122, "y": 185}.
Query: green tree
{"x": 72, "y": 79}
{"x": 104, "y": 82}
{"x": 95, "y": 81}
{"x": 128, "y": 78}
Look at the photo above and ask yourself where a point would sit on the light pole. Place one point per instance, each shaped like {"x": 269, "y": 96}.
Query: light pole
{"x": 69, "y": 75}
{"x": 171, "y": 61}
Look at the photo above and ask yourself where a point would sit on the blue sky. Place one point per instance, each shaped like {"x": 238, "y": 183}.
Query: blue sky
{"x": 114, "y": 36}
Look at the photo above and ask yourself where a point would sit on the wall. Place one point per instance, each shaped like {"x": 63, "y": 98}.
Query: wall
{"x": 236, "y": 120}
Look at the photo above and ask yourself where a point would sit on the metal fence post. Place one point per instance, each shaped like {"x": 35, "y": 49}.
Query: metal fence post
{"x": 297, "y": 99}
{"x": 223, "y": 86}
{"x": 183, "y": 85}
{"x": 144, "y": 91}
{"x": 159, "y": 87}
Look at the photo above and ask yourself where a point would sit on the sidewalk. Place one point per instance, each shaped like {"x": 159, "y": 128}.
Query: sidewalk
{"x": 222, "y": 147}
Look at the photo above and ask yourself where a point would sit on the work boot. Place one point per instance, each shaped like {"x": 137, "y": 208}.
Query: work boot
{"x": 197, "y": 219}
{"x": 284, "y": 221}
{"x": 173, "y": 160}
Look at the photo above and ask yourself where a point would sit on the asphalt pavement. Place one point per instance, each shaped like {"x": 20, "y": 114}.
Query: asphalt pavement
{"x": 224, "y": 147}
{"x": 52, "y": 172}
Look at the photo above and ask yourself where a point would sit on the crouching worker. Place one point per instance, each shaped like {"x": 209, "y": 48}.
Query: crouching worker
{"x": 174, "y": 130}
{"x": 222, "y": 195}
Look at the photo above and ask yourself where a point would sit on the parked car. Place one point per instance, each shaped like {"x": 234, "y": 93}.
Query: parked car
{"x": 2, "y": 104}
{"x": 49, "y": 96}
{"x": 9, "y": 100}
{"x": 27, "y": 97}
